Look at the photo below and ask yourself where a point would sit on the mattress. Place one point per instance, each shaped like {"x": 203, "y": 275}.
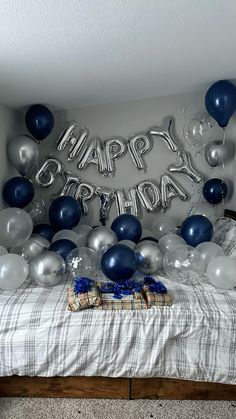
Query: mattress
{"x": 193, "y": 339}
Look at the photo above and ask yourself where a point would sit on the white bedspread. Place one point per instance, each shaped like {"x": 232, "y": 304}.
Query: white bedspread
{"x": 194, "y": 339}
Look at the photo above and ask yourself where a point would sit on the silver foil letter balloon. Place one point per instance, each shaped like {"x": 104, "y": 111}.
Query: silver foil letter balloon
{"x": 165, "y": 132}
{"x": 106, "y": 197}
{"x": 127, "y": 205}
{"x": 138, "y": 145}
{"x": 76, "y": 141}
{"x": 80, "y": 190}
{"x": 185, "y": 167}
{"x": 170, "y": 189}
{"x": 114, "y": 148}
{"x": 93, "y": 153}
{"x": 45, "y": 176}
{"x": 84, "y": 193}
{"x": 149, "y": 195}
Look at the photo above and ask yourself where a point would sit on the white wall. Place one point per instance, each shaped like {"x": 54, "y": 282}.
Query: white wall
{"x": 125, "y": 119}
{"x": 8, "y": 122}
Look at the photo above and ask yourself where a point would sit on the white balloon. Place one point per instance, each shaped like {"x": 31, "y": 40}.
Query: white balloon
{"x": 16, "y": 226}
{"x": 205, "y": 209}
{"x": 82, "y": 232}
{"x": 209, "y": 251}
{"x": 13, "y": 271}
{"x": 3, "y": 251}
{"x": 128, "y": 243}
{"x": 163, "y": 225}
{"x": 221, "y": 272}
{"x": 32, "y": 247}
{"x": 68, "y": 235}
{"x": 170, "y": 242}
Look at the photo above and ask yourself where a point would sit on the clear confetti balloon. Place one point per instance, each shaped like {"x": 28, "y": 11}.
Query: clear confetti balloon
{"x": 183, "y": 263}
{"x": 83, "y": 261}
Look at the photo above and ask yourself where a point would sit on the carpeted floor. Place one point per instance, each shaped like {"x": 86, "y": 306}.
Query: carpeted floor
{"x": 23, "y": 408}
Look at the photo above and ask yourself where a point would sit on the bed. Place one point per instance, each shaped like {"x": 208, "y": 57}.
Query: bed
{"x": 194, "y": 339}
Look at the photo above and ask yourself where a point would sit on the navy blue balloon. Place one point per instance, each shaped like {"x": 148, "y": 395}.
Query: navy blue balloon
{"x": 215, "y": 190}
{"x": 196, "y": 229}
{"x": 118, "y": 262}
{"x": 18, "y": 192}
{"x": 127, "y": 227}
{"x": 39, "y": 121}
{"x": 64, "y": 213}
{"x": 44, "y": 230}
{"x": 220, "y": 101}
{"x": 62, "y": 247}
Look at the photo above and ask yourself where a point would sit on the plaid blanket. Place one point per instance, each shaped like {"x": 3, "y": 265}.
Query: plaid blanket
{"x": 193, "y": 339}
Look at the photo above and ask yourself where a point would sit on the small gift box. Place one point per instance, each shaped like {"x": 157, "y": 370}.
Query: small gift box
{"x": 156, "y": 299}
{"x": 83, "y": 295}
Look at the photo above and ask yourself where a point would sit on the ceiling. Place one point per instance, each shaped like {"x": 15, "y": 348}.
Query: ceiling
{"x": 72, "y": 53}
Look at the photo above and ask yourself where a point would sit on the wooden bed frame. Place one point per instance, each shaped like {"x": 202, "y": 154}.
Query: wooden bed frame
{"x": 114, "y": 388}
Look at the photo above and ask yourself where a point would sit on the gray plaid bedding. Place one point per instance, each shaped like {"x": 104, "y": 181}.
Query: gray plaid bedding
{"x": 193, "y": 339}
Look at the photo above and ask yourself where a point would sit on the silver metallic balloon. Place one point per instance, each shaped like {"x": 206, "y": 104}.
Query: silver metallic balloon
{"x": 170, "y": 189}
{"x": 149, "y": 195}
{"x": 165, "y": 132}
{"x": 138, "y": 145}
{"x": 23, "y": 154}
{"x": 185, "y": 167}
{"x": 114, "y": 147}
{"x": 76, "y": 141}
{"x": 106, "y": 198}
{"x": 149, "y": 257}
{"x": 127, "y": 205}
{"x": 101, "y": 237}
{"x": 47, "y": 269}
{"x": 45, "y": 176}
{"x": 93, "y": 153}
{"x": 216, "y": 153}
{"x": 32, "y": 247}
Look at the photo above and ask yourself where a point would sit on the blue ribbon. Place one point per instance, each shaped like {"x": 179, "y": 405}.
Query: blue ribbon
{"x": 82, "y": 285}
{"x": 127, "y": 287}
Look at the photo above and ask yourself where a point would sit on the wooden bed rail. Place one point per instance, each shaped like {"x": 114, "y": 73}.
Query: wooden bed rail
{"x": 114, "y": 388}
